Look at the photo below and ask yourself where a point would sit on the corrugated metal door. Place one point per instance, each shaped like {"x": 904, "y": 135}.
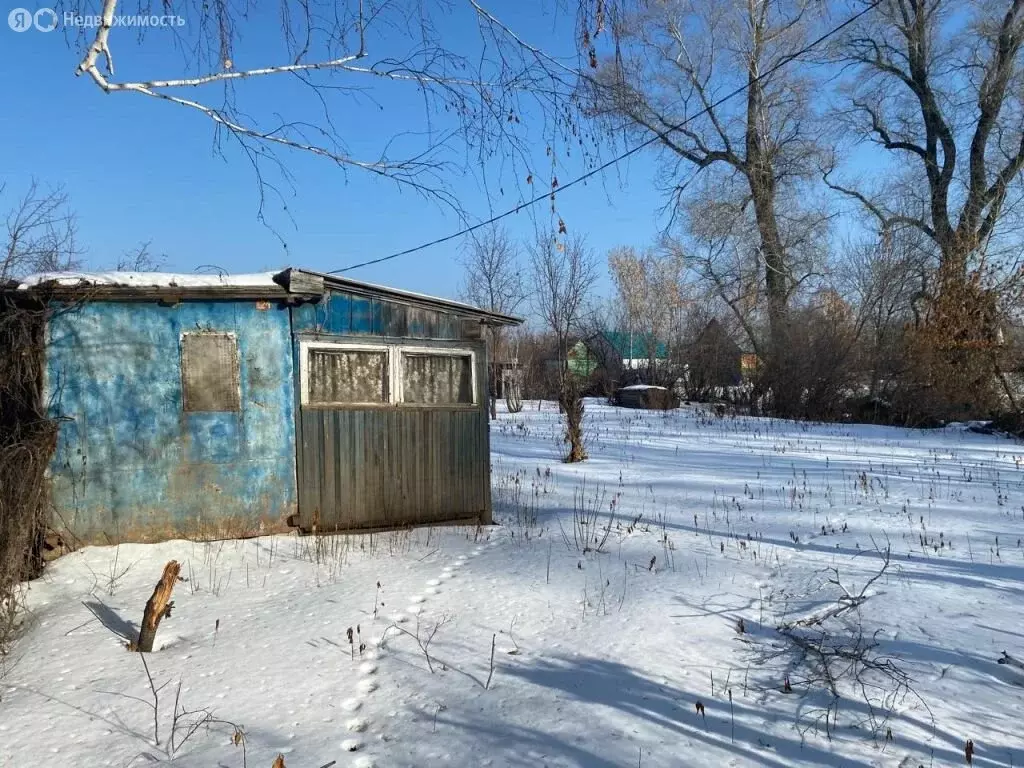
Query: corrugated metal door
{"x": 387, "y": 464}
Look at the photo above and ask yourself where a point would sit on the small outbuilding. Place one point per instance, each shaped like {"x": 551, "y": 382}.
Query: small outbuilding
{"x": 646, "y": 396}
{"x": 235, "y": 405}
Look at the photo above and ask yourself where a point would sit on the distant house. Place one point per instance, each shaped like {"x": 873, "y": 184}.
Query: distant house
{"x": 634, "y": 351}
{"x": 580, "y": 360}
{"x": 243, "y": 404}
{"x": 749, "y": 363}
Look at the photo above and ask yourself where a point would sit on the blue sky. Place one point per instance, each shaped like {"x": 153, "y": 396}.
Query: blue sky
{"x": 138, "y": 169}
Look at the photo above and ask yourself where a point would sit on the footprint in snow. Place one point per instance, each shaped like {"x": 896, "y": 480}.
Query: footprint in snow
{"x": 357, "y": 725}
{"x": 446, "y": 575}
{"x": 447, "y": 569}
{"x": 432, "y": 590}
{"x": 367, "y": 668}
{"x": 351, "y": 745}
{"x": 400, "y": 618}
{"x": 351, "y": 705}
{"x": 433, "y": 582}
{"x": 366, "y": 686}
{"x": 417, "y": 599}
{"x": 364, "y": 762}
{"x": 415, "y": 609}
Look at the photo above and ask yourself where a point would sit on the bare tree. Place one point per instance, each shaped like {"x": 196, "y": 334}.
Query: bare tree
{"x": 886, "y": 282}
{"x": 938, "y": 90}
{"x": 494, "y": 281}
{"x": 140, "y": 259}
{"x": 564, "y": 273}
{"x": 758, "y": 154}
{"x": 40, "y": 234}
{"x": 650, "y": 288}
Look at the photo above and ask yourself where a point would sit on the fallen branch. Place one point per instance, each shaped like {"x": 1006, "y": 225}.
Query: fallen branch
{"x": 843, "y": 659}
{"x": 846, "y": 602}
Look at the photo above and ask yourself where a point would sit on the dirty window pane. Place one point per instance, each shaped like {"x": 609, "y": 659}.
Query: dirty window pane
{"x": 348, "y": 376}
{"x": 437, "y": 379}
{"x": 209, "y": 372}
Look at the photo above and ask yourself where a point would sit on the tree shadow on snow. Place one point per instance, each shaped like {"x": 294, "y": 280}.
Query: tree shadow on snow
{"x": 108, "y": 617}
{"x": 620, "y": 688}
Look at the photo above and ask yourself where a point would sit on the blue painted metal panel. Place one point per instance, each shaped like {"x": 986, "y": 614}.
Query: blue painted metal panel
{"x": 130, "y": 463}
{"x": 341, "y": 314}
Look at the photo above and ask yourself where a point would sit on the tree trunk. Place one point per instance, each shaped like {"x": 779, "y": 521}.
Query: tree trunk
{"x": 760, "y": 175}
{"x": 570, "y": 402}
{"x": 158, "y": 606}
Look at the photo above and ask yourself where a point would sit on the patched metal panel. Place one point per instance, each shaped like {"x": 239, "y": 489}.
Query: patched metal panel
{"x": 395, "y": 319}
{"x": 210, "y": 372}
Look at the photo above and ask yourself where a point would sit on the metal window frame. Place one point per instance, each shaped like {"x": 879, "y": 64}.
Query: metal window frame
{"x": 395, "y": 389}
{"x": 436, "y": 352}
{"x": 305, "y": 347}
{"x": 236, "y": 373}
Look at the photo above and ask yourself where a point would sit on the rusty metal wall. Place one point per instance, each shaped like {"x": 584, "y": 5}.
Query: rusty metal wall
{"x": 394, "y": 465}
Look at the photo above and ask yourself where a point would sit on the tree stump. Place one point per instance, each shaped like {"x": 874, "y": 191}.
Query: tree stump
{"x": 158, "y": 606}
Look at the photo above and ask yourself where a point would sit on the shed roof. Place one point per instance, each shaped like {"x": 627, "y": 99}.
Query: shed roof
{"x": 290, "y": 283}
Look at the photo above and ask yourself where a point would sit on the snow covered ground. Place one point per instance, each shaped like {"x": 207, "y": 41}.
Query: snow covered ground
{"x": 610, "y": 597}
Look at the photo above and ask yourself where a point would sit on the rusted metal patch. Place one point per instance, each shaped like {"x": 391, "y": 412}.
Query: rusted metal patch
{"x": 210, "y": 379}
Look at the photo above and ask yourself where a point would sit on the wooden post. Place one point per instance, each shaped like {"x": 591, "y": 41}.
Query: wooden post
{"x": 158, "y": 606}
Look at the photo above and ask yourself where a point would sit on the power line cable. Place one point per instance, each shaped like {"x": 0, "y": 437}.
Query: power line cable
{"x": 619, "y": 158}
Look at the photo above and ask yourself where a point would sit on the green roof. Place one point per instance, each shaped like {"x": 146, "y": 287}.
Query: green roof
{"x": 634, "y": 346}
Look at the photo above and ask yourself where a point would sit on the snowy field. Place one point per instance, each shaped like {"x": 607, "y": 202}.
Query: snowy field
{"x": 626, "y": 612}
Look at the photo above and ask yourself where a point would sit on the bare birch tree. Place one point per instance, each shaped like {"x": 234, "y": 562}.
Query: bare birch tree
{"x": 494, "y": 281}
{"x": 340, "y": 62}
{"x": 650, "y": 289}
{"x": 564, "y": 273}
{"x": 758, "y": 152}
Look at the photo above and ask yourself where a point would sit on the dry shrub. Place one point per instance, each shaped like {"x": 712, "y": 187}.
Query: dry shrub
{"x": 951, "y": 371}
{"x": 27, "y": 442}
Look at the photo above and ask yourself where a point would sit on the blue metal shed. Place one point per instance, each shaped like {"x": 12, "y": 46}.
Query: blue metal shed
{"x": 212, "y": 407}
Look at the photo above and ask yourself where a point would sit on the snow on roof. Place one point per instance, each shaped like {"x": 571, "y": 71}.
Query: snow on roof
{"x": 150, "y": 280}
{"x": 643, "y": 386}
{"x": 257, "y": 281}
